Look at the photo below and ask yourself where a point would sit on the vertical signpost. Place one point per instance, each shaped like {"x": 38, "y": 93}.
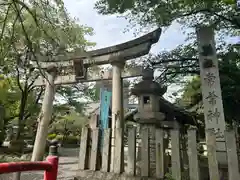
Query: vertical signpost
{"x": 211, "y": 89}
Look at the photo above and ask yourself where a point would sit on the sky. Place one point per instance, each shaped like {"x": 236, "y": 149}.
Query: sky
{"x": 109, "y": 30}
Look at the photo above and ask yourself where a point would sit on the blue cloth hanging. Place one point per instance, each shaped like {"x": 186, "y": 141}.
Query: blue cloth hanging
{"x": 105, "y": 100}
{"x": 104, "y": 108}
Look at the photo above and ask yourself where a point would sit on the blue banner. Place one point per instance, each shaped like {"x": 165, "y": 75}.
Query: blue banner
{"x": 105, "y": 100}
{"x": 104, "y": 108}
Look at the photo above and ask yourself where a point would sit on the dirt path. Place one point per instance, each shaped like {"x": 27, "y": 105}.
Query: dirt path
{"x": 67, "y": 167}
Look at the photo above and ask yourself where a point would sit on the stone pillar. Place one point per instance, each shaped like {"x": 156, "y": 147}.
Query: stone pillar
{"x": 45, "y": 116}
{"x": 152, "y": 150}
{"x": 211, "y": 89}
{"x": 117, "y": 105}
{"x": 175, "y": 155}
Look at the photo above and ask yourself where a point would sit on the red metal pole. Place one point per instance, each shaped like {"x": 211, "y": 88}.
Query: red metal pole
{"x": 24, "y": 166}
{"x": 52, "y": 174}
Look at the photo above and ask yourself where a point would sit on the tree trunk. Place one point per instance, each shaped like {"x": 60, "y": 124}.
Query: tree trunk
{"x": 22, "y": 112}
{"x": 2, "y": 125}
{"x": 45, "y": 117}
{"x": 65, "y": 131}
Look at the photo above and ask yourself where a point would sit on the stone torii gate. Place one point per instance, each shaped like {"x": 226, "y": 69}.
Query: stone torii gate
{"x": 78, "y": 63}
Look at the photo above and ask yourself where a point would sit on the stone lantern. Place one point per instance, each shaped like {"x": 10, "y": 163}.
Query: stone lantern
{"x": 148, "y": 93}
{"x": 149, "y": 116}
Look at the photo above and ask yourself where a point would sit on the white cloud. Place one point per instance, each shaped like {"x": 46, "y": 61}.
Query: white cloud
{"x": 109, "y": 30}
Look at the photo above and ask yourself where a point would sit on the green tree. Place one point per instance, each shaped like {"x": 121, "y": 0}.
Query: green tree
{"x": 68, "y": 123}
{"x": 181, "y": 66}
{"x": 230, "y": 84}
{"x": 12, "y": 101}
{"x": 71, "y": 97}
{"x": 4, "y": 87}
{"x": 162, "y": 13}
{"x": 93, "y": 93}
{"x": 183, "y": 60}
{"x": 27, "y": 31}
{"x": 40, "y": 27}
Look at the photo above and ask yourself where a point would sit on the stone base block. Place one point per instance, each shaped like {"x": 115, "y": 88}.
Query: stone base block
{"x": 98, "y": 175}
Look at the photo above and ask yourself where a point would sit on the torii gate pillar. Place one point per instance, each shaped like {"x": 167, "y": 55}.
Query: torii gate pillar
{"x": 117, "y": 93}
{"x": 117, "y": 110}
{"x": 45, "y": 115}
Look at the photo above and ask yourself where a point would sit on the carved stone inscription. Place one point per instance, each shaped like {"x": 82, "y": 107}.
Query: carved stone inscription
{"x": 218, "y": 133}
{"x": 213, "y": 115}
{"x": 210, "y": 79}
{"x": 212, "y": 98}
{"x": 211, "y": 90}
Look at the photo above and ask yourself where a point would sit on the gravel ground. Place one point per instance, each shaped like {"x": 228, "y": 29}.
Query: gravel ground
{"x": 67, "y": 167}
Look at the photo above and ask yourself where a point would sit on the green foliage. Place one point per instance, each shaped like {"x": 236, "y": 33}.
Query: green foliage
{"x": 181, "y": 66}
{"x": 70, "y": 97}
{"x": 28, "y": 30}
{"x": 93, "y": 93}
{"x": 162, "y": 13}
{"x": 71, "y": 140}
{"x": 41, "y": 27}
{"x": 14, "y": 158}
{"x": 230, "y": 84}
{"x": 65, "y": 140}
{"x": 52, "y": 136}
{"x": 168, "y": 176}
{"x": 9, "y": 100}
{"x": 59, "y": 137}
{"x": 67, "y": 123}
{"x": 192, "y": 92}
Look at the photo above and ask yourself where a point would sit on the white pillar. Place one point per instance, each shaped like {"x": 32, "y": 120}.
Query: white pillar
{"x": 117, "y": 105}
{"x": 45, "y": 116}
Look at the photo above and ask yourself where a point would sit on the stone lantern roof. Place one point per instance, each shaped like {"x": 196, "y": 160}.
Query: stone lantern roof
{"x": 147, "y": 85}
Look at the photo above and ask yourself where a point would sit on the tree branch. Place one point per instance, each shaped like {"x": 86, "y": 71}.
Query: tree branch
{"x": 173, "y": 60}
{"x": 36, "y": 102}
{"x": 207, "y": 10}
{"x": 29, "y": 42}
{"x": 5, "y": 22}
{"x": 184, "y": 72}
{"x": 30, "y": 86}
{"x": 18, "y": 79}
{"x": 34, "y": 16}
